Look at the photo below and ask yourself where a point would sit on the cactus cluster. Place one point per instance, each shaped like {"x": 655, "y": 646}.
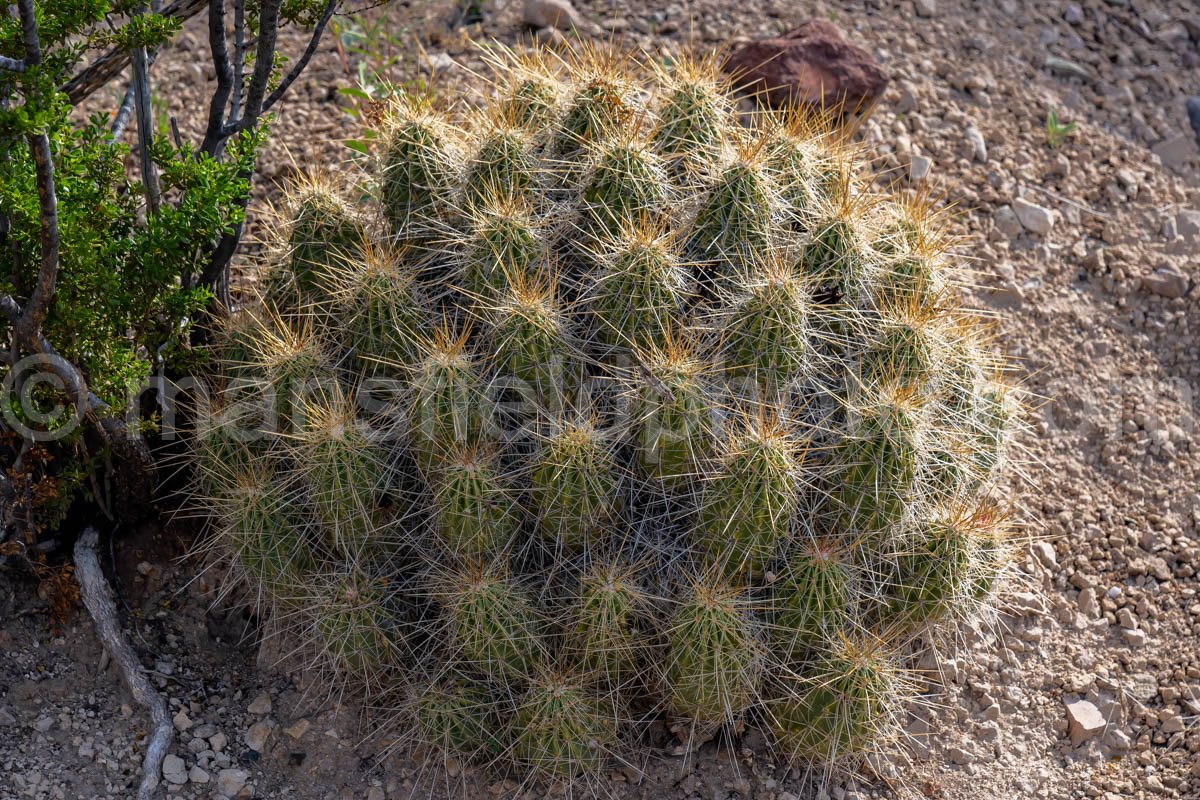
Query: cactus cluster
{"x": 611, "y": 404}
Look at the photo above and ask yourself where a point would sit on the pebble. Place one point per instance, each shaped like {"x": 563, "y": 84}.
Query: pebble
{"x": 1026, "y": 602}
{"x": 976, "y": 139}
{"x": 1126, "y": 619}
{"x": 1044, "y": 553}
{"x": 260, "y": 705}
{"x": 199, "y": 776}
{"x": 231, "y": 781}
{"x": 298, "y": 730}
{"x": 1083, "y": 721}
{"x": 182, "y": 721}
{"x": 1133, "y": 637}
{"x": 550, "y": 14}
{"x": 218, "y": 741}
{"x": 1193, "y": 112}
{"x": 1088, "y": 603}
{"x": 1005, "y": 220}
{"x": 174, "y": 770}
{"x": 1033, "y": 218}
{"x": 907, "y": 102}
{"x": 433, "y": 63}
{"x": 1166, "y": 282}
{"x": 44, "y": 724}
{"x": 1117, "y": 739}
{"x": 919, "y": 168}
{"x": 1187, "y": 225}
{"x": 1073, "y": 14}
{"x": 925, "y": 8}
{"x": 1174, "y": 151}
{"x": 256, "y": 737}
{"x": 1171, "y": 723}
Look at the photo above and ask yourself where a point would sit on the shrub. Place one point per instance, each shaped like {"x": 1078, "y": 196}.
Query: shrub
{"x": 103, "y": 275}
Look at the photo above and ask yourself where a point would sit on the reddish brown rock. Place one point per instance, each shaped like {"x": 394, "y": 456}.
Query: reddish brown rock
{"x": 811, "y": 65}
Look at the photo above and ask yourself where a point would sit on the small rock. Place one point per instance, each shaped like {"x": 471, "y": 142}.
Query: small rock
{"x": 375, "y": 793}
{"x": 1117, "y": 740}
{"x": 1005, "y": 220}
{"x": 811, "y": 65}
{"x": 433, "y": 63}
{"x": 298, "y": 730}
{"x": 925, "y": 8}
{"x": 1187, "y": 225}
{"x": 1083, "y": 721}
{"x": 549, "y": 37}
{"x": 1171, "y": 723}
{"x": 44, "y": 724}
{"x": 256, "y": 737}
{"x": 199, "y": 776}
{"x": 976, "y": 140}
{"x": 174, "y": 770}
{"x": 1044, "y": 553}
{"x": 1142, "y": 686}
{"x": 1166, "y": 282}
{"x": 260, "y": 704}
{"x": 960, "y": 755}
{"x": 1059, "y": 167}
{"x": 1126, "y": 619}
{"x": 231, "y": 781}
{"x": 907, "y": 102}
{"x": 1175, "y": 151}
{"x": 1088, "y": 603}
{"x": 182, "y": 721}
{"x": 1061, "y": 66}
{"x": 218, "y": 741}
{"x": 919, "y": 168}
{"x": 1134, "y": 638}
{"x": 1193, "y": 112}
{"x": 550, "y": 14}
{"x": 204, "y": 731}
{"x": 1026, "y": 603}
{"x": 1073, "y": 14}
{"x": 1033, "y": 218}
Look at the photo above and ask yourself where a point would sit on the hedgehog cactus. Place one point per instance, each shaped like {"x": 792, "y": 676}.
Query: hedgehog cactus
{"x": 612, "y": 404}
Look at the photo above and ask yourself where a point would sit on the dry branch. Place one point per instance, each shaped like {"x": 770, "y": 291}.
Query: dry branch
{"x": 98, "y": 598}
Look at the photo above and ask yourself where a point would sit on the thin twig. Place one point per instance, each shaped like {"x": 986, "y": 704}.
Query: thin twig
{"x": 257, "y": 102}
{"x": 123, "y": 115}
{"x": 141, "y": 91}
{"x": 113, "y": 63}
{"x": 239, "y": 57}
{"x": 298, "y": 67}
{"x": 98, "y": 598}
{"x": 1062, "y": 199}
{"x": 218, "y": 45}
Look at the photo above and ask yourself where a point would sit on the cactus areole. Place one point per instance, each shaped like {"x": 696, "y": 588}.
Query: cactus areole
{"x": 611, "y": 404}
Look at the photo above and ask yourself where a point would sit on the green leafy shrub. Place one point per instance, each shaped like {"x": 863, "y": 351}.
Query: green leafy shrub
{"x": 102, "y": 275}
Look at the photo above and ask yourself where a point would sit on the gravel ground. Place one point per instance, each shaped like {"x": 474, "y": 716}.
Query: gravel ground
{"x": 1087, "y": 682}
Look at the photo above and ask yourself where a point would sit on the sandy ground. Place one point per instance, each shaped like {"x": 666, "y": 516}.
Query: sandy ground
{"x": 1099, "y": 312}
